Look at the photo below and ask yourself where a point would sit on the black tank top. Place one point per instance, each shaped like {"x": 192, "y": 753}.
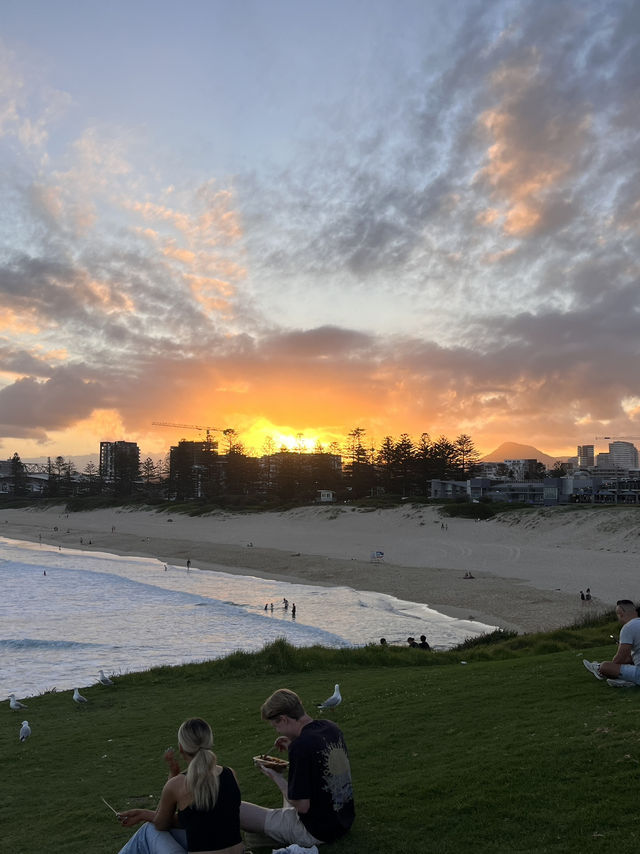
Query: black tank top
{"x": 210, "y": 830}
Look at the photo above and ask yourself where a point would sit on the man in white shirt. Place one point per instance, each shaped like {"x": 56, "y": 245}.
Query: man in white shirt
{"x": 624, "y": 669}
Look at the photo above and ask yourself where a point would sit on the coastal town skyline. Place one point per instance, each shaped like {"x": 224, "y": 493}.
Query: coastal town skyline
{"x": 588, "y": 456}
{"x": 298, "y": 219}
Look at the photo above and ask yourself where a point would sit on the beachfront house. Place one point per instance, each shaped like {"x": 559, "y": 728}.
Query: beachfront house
{"x": 325, "y": 496}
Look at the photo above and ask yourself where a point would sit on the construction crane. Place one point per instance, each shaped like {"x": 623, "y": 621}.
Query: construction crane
{"x": 619, "y": 438}
{"x": 207, "y": 430}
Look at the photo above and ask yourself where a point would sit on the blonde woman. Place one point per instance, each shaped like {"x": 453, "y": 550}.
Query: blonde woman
{"x": 199, "y": 810}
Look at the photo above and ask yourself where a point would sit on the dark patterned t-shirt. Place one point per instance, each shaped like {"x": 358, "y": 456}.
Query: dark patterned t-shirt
{"x": 319, "y": 770}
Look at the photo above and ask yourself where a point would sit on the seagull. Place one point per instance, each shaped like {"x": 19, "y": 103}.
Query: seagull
{"x": 77, "y": 696}
{"x": 104, "y": 680}
{"x": 15, "y": 704}
{"x": 25, "y": 731}
{"x": 334, "y": 700}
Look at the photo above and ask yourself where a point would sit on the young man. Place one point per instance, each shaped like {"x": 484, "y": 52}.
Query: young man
{"x": 624, "y": 670}
{"x": 318, "y": 796}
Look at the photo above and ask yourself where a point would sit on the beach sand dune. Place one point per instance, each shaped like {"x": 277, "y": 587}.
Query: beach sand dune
{"x": 528, "y": 566}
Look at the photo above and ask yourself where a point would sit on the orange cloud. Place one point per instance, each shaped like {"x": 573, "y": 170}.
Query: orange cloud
{"x": 532, "y": 149}
{"x": 151, "y": 211}
{"x": 219, "y": 217}
{"x": 213, "y": 294}
{"x": 218, "y": 223}
{"x": 183, "y": 255}
{"x": 522, "y": 218}
{"x": 14, "y": 323}
{"x": 496, "y": 257}
{"x": 110, "y": 300}
{"x": 488, "y": 216}
{"x": 210, "y": 273}
{"x": 59, "y": 355}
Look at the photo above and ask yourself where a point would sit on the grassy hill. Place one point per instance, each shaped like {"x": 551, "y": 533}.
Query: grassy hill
{"x": 518, "y": 750}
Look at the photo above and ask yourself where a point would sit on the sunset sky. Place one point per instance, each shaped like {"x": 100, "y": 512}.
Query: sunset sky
{"x": 304, "y": 216}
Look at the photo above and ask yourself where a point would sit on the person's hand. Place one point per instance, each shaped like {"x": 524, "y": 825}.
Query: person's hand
{"x": 129, "y": 818}
{"x": 275, "y": 775}
{"x": 279, "y": 779}
{"x": 170, "y": 758}
{"x": 282, "y": 743}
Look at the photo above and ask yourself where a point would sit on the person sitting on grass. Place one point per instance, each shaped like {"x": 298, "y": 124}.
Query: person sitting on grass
{"x": 199, "y": 811}
{"x": 318, "y": 796}
{"x": 624, "y": 670}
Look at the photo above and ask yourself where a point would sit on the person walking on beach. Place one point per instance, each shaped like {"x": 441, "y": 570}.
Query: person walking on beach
{"x": 318, "y": 796}
{"x": 623, "y": 671}
{"x": 188, "y": 564}
{"x": 198, "y": 810}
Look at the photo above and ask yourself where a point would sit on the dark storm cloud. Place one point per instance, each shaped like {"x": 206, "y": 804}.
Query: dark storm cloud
{"x": 58, "y": 402}
{"x": 329, "y": 342}
{"x": 18, "y": 361}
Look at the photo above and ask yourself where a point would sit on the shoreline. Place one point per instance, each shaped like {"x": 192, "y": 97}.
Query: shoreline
{"x": 492, "y": 598}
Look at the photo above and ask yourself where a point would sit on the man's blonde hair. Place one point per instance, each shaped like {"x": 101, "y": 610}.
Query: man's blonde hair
{"x": 282, "y": 702}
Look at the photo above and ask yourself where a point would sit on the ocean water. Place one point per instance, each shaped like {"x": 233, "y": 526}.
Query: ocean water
{"x": 66, "y": 614}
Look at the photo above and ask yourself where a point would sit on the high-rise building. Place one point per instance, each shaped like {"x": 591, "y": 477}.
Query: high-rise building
{"x": 623, "y": 455}
{"x": 119, "y": 460}
{"x": 586, "y": 456}
{"x": 195, "y": 469}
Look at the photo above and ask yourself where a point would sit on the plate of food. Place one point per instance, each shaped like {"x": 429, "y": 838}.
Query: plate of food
{"x": 272, "y": 762}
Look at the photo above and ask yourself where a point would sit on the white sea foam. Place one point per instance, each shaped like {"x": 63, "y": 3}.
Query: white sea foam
{"x": 97, "y": 610}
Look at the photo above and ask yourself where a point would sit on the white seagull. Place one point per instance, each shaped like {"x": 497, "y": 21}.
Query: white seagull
{"x": 77, "y": 696}
{"x": 334, "y": 700}
{"x": 104, "y": 680}
{"x": 25, "y": 731}
{"x": 15, "y": 704}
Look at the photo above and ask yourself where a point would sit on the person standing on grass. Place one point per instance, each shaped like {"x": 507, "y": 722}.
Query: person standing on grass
{"x": 199, "y": 811}
{"x": 318, "y": 796}
{"x": 624, "y": 669}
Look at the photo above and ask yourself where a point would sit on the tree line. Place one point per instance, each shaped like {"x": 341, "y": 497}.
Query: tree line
{"x": 396, "y": 466}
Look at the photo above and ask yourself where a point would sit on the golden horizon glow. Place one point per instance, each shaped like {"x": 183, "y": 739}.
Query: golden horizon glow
{"x": 155, "y": 442}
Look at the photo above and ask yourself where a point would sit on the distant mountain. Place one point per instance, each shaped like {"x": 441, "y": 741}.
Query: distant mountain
{"x": 515, "y": 451}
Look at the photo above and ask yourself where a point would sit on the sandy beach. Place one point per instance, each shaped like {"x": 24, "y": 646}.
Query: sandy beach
{"x": 528, "y": 567}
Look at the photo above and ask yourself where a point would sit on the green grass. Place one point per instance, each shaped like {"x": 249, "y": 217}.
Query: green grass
{"x": 519, "y": 750}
